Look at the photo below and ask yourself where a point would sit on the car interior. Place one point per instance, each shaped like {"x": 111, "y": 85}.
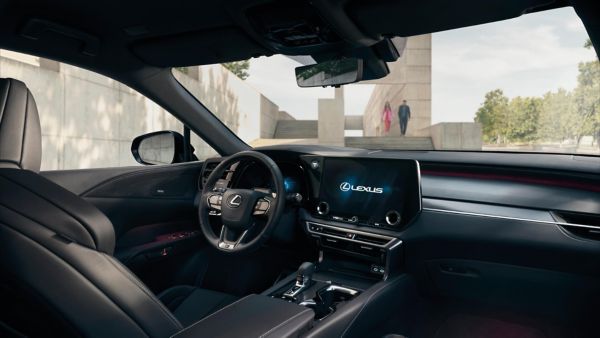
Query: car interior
{"x": 282, "y": 240}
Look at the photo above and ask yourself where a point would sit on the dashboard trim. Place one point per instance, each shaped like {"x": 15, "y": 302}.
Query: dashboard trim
{"x": 467, "y": 213}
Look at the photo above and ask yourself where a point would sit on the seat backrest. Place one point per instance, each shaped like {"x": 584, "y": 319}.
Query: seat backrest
{"x": 57, "y": 273}
{"x": 20, "y": 135}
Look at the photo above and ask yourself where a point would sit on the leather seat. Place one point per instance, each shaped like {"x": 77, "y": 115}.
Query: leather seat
{"x": 189, "y": 303}
{"x": 57, "y": 273}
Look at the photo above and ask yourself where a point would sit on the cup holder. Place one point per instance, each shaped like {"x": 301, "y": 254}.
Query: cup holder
{"x": 328, "y": 298}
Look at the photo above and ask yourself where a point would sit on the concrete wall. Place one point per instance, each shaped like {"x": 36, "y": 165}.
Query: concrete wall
{"x": 456, "y": 136}
{"x": 409, "y": 79}
{"x": 331, "y": 119}
{"x": 244, "y": 110}
{"x": 89, "y": 120}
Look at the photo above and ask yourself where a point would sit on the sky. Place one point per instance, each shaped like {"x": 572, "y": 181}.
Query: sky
{"x": 526, "y": 56}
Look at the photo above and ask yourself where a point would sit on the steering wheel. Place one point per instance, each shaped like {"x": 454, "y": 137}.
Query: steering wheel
{"x": 238, "y": 209}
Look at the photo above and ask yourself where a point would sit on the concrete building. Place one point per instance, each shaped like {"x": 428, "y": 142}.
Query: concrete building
{"x": 89, "y": 120}
{"x": 410, "y": 80}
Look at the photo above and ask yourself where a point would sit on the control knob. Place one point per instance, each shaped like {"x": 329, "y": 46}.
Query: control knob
{"x": 392, "y": 218}
{"x": 323, "y": 208}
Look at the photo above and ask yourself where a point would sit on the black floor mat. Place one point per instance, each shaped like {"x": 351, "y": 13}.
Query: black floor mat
{"x": 468, "y": 326}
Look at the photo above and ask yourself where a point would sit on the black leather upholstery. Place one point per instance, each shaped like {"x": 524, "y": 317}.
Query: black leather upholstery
{"x": 20, "y": 136}
{"x": 57, "y": 273}
{"x": 189, "y": 304}
{"x": 57, "y": 209}
{"x": 254, "y": 316}
{"x": 56, "y": 251}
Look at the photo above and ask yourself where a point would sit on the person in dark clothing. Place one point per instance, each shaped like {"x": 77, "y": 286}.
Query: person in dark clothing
{"x": 403, "y": 117}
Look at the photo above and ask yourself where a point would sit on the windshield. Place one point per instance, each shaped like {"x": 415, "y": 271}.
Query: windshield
{"x": 528, "y": 84}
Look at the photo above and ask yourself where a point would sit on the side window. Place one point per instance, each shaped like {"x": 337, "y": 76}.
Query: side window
{"x": 88, "y": 120}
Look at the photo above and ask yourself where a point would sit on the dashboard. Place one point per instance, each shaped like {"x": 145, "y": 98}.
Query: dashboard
{"x": 496, "y": 208}
{"x": 518, "y": 228}
{"x": 377, "y": 193}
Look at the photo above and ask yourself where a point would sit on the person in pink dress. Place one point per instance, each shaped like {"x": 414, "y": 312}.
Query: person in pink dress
{"x": 387, "y": 116}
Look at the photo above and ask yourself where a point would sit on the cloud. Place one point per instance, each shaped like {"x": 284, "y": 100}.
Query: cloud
{"x": 526, "y": 56}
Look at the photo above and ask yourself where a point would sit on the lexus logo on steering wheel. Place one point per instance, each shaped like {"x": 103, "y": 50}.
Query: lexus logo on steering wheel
{"x": 235, "y": 200}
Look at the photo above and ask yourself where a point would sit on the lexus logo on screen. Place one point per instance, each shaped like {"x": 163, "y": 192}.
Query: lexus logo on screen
{"x": 345, "y": 186}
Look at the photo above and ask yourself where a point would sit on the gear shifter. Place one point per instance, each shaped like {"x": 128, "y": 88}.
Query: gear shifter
{"x": 303, "y": 280}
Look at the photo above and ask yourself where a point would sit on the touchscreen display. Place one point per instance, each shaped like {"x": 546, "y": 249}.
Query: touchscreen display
{"x": 368, "y": 189}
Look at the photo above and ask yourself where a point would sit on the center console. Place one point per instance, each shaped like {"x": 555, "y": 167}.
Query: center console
{"x": 357, "y": 210}
{"x": 355, "y": 214}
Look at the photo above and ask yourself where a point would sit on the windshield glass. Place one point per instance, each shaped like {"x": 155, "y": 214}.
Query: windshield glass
{"x": 528, "y": 84}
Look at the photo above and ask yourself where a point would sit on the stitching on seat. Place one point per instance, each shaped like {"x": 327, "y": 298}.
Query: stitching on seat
{"x": 94, "y": 239}
{"x": 212, "y": 314}
{"x": 364, "y": 305}
{"x": 284, "y": 322}
{"x": 8, "y": 88}
{"x": 71, "y": 267}
{"x": 139, "y": 284}
{"x": 5, "y": 101}
{"x": 24, "y": 127}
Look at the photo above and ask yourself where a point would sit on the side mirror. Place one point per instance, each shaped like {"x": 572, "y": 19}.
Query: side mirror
{"x": 330, "y": 73}
{"x": 161, "y": 147}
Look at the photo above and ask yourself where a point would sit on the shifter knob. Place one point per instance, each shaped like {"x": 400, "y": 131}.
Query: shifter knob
{"x": 303, "y": 281}
{"x": 305, "y": 272}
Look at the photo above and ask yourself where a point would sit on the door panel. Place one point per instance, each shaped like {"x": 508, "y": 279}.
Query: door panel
{"x": 152, "y": 210}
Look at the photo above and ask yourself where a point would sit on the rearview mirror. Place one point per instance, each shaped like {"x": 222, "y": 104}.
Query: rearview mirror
{"x": 330, "y": 73}
{"x": 162, "y": 147}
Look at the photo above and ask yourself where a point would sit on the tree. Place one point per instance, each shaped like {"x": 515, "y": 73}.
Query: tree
{"x": 587, "y": 100}
{"x": 556, "y": 119}
{"x": 493, "y": 115}
{"x": 522, "y": 120}
{"x": 239, "y": 68}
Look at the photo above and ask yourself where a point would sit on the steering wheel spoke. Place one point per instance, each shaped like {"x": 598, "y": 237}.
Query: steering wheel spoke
{"x": 225, "y": 243}
{"x": 214, "y": 200}
{"x": 263, "y": 206}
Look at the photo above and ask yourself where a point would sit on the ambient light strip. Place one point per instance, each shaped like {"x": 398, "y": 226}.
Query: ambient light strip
{"x": 466, "y": 213}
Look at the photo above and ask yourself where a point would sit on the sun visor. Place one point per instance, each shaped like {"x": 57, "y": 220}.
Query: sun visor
{"x": 199, "y": 48}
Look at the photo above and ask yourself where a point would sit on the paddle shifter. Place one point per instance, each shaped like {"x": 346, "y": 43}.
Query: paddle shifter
{"x": 303, "y": 280}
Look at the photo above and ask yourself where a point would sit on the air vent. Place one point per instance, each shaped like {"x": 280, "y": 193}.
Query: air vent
{"x": 350, "y": 235}
{"x": 582, "y": 225}
{"x": 371, "y": 239}
{"x": 334, "y": 232}
{"x": 209, "y": 167}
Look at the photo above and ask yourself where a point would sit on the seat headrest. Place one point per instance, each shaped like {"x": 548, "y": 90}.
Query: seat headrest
{"x": 20, "y": 132}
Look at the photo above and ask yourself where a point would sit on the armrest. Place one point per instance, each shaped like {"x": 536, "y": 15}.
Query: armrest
{"x": 253, "y": 316}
